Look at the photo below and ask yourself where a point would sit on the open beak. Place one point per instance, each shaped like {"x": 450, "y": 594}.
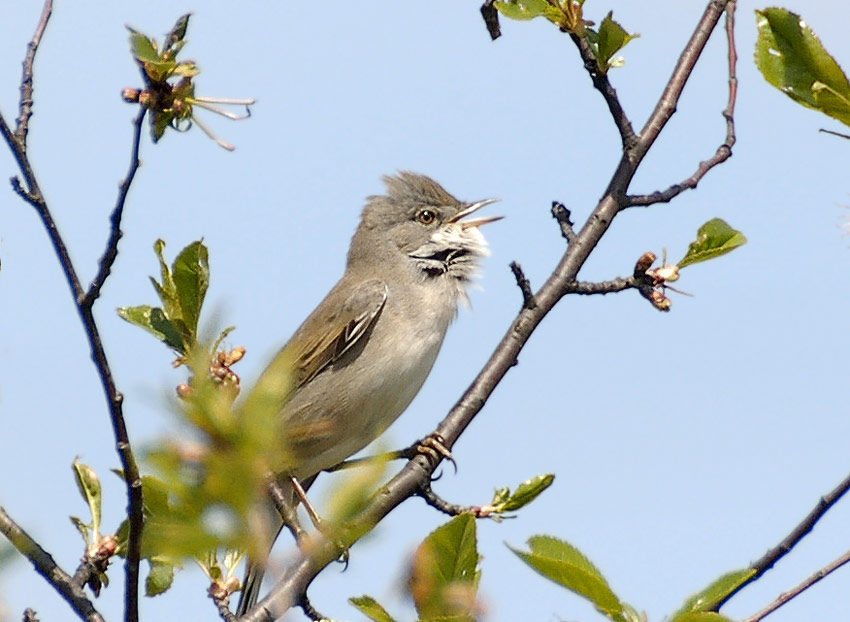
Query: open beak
{"x": 475, "y": 222}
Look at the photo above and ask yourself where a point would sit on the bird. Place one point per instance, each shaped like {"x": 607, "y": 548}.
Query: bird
{"x": 362, "y": 355}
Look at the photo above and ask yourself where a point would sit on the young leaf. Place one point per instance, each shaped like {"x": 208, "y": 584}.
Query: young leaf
{"x": 444, "y": 577}
{"x": 143, "y": 48}
{"x": 191, "y": 274}
{"x": 371, "y": 608}
{"x": 701, "y": 616}
{"x": 89, "y": 485}
{"x": 167, "y": 290}
{"x": 792, "y": 58}
{"x": 525, "y": 493}
{"x": 610, "y": 39}
{"x": 174, "y": 39}
{"x": 716, "y": 592}
{"x": 523, "y": 9}
{"x": 564, "y": 564}
{"x": 153, "y": 320}
{"x": 714, "y": 238}
{"x": 159, "y": 579}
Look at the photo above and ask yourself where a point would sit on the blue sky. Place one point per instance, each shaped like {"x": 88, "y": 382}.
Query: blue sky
{"x": 685, "y": 444}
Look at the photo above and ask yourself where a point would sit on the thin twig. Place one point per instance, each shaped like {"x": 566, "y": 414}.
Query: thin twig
{"x": 300, "y": 574}
{"x": 111, "y": 252}
{"x": 603, "y": 85}
{"x": 45, "y": 565}
{"x": 769, "y": 559}
{"x": 31, "y": 193}
{"x": 453, "y": 509}
{"x": 25, "y": 104}
{"x": 491, "y": 19}
{"x": 613, "y": 286}
{"x": 524, "y": 286}
{"x": 724, "y": 151}
{"x": 564, "y": 218}
{"x": 799, "y": 589}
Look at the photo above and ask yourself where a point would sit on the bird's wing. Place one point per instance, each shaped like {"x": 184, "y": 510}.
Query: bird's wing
{"x": 339, "y": 330}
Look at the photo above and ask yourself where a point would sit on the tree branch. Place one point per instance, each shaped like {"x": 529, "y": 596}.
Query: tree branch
{"x": 418, "y": 470}
{"x": 769, "y": 559}
{"x": 45, "y": 565}
{"x": 524, "y": 286}
{"x": 31, "y": 193}
{"x": 564, "y": 218}
{"x": 26, "y": 102}
{"x": 785, "y": 597}
{"x": 111, "y": 252}
{"x": 724, "y": 151}
{"x": 603, "y": 85}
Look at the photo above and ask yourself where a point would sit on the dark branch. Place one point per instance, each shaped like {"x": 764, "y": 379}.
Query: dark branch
{"x": 603, "y": 85}
{"x": 44, "y": 564}
{"x": 785, "y": 597}
{"x": 111, "y": 252}
{"x": 724, "y": 151}
{"x": 30, "y": 191}
{"x": 604, "y": 287}
{"x": 452, "y": 509}
{"x": 767, "y": 561}
{"x": 30, "y": 615}
{"x": 564, "y": 218}
{"x": 524, "y": 286}
{"x": 419, "y": 469}
{"x": 491, "y": 19}
{"x": 26, "y": 102}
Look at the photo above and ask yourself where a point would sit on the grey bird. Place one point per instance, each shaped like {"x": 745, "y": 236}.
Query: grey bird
{"x": 362, "y": 355}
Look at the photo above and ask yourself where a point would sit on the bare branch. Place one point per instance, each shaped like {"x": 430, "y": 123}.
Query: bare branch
{"x": 452, "y": 509}
{"x": 769, "y": 559}
{"x": 30, "y": 191}
{"x": 491, "y": 19}
{"x": 724, "y": 151}
{"x": 603, "y": 85}
{"x": 44, "y": 564}
{"x": 111, "y": 252}
{"x": 564, "y": 218}
{"x": 785, "y": 597}
{"x": 26, "y": 79}
{"x": 603, "y": 287}
{"x": 524, "y": 286}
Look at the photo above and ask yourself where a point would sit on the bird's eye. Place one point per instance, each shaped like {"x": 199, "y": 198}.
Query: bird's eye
{"x": 426, "y": 216}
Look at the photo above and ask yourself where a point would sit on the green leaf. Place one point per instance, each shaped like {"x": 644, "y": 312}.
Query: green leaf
{"x": 717, "y": 592}
{"x": 159, "y": 579}
{"x": 166, "y": 290}
{"x": 445, "y": 574}
{"x": 607, "y": 41}
{"x": 153, "y": 320}
{"x": 525, "y": 493}
{"x": 191, "y": 273}
{"x": 564, "y": 564}
{"x": 714, "y": 238}
{"x": 83, "y": 529}
{"x": 174, "y": 40}
{"x": 89, "y": 485}
{"x": 528, "y": 9}
{"x": 142, "y": 47}
{"x": 792, "y": 58}
{"x": 701, "y": 616}
{"x": 369, "y": 607}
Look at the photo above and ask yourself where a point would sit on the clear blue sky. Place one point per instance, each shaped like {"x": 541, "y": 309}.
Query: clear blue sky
{"x": 685, "y": 444}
